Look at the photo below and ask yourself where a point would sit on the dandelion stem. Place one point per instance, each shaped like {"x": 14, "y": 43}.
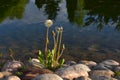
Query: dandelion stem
{"x": 46, "y": 44}
{"x": 60, "y": 54}
{"x": 54, "y": 45}
{"x": 59, "y": 45}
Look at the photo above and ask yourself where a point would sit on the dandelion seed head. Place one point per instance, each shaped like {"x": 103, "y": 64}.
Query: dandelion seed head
{"x": 48, "y": 23}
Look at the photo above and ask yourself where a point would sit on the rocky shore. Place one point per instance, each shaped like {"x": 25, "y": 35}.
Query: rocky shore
{"x": 71, "y": 70}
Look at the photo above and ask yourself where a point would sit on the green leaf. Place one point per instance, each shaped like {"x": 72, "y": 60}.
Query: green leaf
{"x": 61, "y": 62}
{"x": 41, "y": 58}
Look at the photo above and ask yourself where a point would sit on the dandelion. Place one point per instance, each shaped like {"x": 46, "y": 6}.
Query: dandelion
{"x": 48, "y": 23}
{"x": 51, "y": 58}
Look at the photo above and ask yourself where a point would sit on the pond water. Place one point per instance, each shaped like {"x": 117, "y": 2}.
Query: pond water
{"x": 91, "y": 27}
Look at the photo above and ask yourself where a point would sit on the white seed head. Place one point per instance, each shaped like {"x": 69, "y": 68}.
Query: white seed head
{"x": 48, "y": 23}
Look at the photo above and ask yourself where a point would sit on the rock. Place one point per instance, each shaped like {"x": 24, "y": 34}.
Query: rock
{"x": 117, "y": 69}
{"x": 36, "y": 63}
{"x": 12, "y": 66}
{"x": 12, "y": 78}
{"x": 93, "y": 47}
{"x": 107, "y": 65}
{"x": 30, "y": 73}
{"x": 83, "y": 78}
{"x": 1, "y": 75}
{"x": 6, "y": 73}
{"x": 73, "y": 71}
{"x": 90, "y": 64}
{"x": 117, "y": 72}
{"x": 110, "y": 62}
{"x": 70, "y": 63}
{"x": 102, "y": 67}
{"x": 99, "y": 74}
{"x": 117, "y": 77}
{"x": 35, "y": 60}
{"x": 48, "y": 77}
{"x": 103, "y": 78}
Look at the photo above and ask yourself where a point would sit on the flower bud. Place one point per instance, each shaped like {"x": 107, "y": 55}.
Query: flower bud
{"x": 58, "y": 29}
{"x": 61, "y": 29}
{"x": 53, "y": 33}
{"x": 63, "y": 47}
{"x": 48, "y": 23}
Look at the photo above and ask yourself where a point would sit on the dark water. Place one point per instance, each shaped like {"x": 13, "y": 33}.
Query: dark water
{"x": 91, "y": 27}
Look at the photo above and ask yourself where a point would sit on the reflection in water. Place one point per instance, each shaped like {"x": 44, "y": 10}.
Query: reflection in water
{"x": 71, "y": 7}
{"x": 103, "y": 12}
{"x": 88, "y": 42}
{"x": 51, "y": 7}
{"x": 85, "y": 12}
{"x": 12, "y": 9}
{"x": 98, "y": 12}
{"x": 75, "y": 11}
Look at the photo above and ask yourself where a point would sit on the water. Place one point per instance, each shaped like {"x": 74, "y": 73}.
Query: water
{"x": 91, "y": 27}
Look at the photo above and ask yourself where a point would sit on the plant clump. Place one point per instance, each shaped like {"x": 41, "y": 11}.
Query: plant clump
{"x": 51, "y": 59}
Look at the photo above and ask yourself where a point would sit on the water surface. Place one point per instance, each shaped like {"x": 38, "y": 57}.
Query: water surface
{"x": 91, "y": 27}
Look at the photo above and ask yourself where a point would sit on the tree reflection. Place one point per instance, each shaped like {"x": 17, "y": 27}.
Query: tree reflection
{"x": 12, "y": 9}
{"x": 103, "y": 12}
{"x": 99, "y": 12}
{"x": 51, "y": 7}
{"x": 75, "y": 11}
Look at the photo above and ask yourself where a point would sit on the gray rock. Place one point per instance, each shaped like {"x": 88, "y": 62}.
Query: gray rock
{"x": 103, "y": 78}
{"x": 36, "y": 63}
{"x": 102, "y": 67}
{"x": 12, "y": 78}
{"x": 90, "y": 64}
{"x": 117, "y": 72}
{"x": 83, "y": 78}
{"x": 117, "y": 69}
{"x": 117, "y": 77}
{"x": 107, "y": 65}
{"x": 48, "y": 77}
{"x": 73, "y": 71}
{"x": 70, "y": 63}
{"x": 110, "y": 62}
{"x": 99, "y": 74}
{"x": 12, "y": 66}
